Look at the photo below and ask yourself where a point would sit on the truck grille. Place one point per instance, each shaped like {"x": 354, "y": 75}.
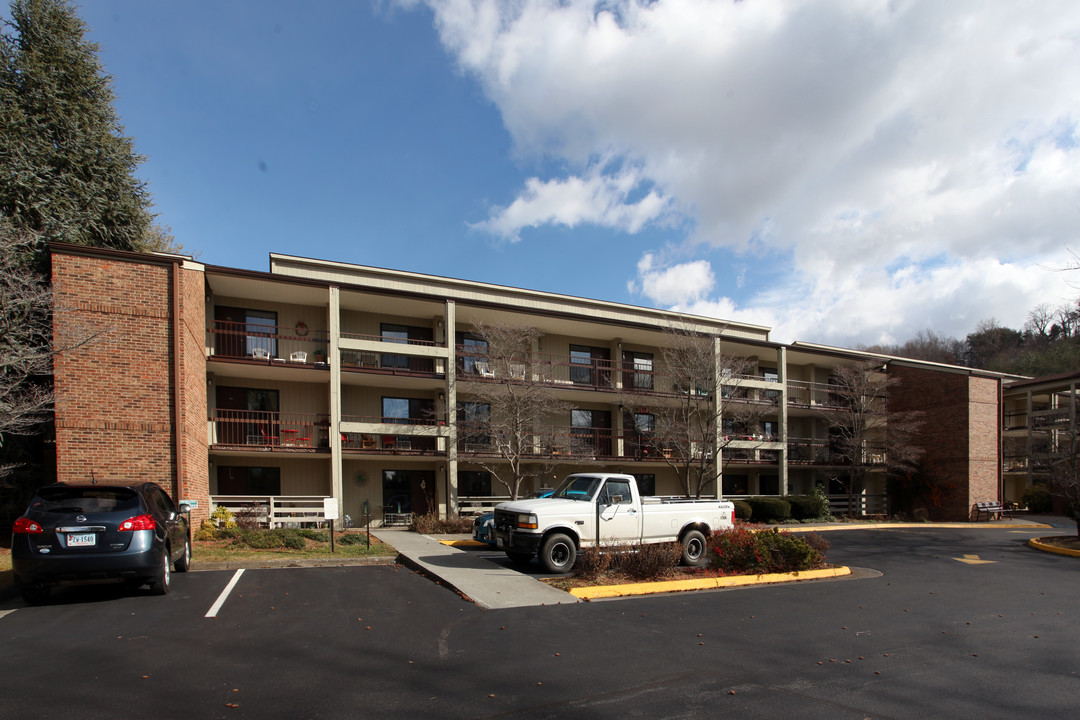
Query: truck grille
{"x": 504, "y": 521}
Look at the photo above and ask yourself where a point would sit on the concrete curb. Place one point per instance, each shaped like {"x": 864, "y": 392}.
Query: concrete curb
{"x": 901, "y": 526}
{"x": 1035, "y": 543}
{"x": 291, "y": 563}
{"x": 668, "y": 586}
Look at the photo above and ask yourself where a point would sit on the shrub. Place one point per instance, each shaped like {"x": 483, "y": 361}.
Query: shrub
{"x": 275, "y": 539}
{"x": 646, "y": 561}
{"x": 353, "y": 539}
{"x": 222, "y": 517}
{"x": 206, "y": 531}
{"x": 764, "y": 509}
{"x": 591, "y": 563}
{"x": 740, "y": 551}
{"x": 432, "y": 524}
{"x": 248, "y": 516}
{"x": 808, "y": 507}
{"x": 1038, "y": 499}
{"x": 313, "y": 534}
{"x": 743, "y": 511}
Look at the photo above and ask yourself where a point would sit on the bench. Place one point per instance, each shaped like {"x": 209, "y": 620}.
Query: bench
{"x": 990, "y": 509}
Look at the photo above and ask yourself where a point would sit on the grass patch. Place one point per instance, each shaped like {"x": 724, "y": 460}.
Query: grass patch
{"x": 254, "y": 545}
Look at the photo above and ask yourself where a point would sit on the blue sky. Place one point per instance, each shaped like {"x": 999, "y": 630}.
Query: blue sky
{"x": 844, "y": 172}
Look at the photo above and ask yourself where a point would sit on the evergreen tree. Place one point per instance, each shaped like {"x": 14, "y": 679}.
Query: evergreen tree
{"x": 66, "y": 168}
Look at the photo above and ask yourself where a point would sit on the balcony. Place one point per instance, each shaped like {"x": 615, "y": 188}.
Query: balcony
{"x": 269, "y": 344}
{"x": 266, "y": 430}
{"x": 393, "y": 435}
{"x": 391, "y": 355}
{"x": 813, "y": 451}
{"x": 575, "y": 373}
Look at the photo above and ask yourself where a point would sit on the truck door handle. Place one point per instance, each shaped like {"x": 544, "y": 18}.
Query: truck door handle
{"x": 631, "y": 511}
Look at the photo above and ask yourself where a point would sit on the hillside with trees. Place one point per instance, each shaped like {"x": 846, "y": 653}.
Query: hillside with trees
{"x": 1049, "y": 343}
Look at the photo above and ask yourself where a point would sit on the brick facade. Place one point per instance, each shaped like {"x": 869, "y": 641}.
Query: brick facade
{"x": 116, "y": 396}
{"x": 959, "y": 436}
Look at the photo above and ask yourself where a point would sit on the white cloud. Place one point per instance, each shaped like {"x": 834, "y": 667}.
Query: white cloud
{"x": 675, "y": 285}
{"x": 842, "y": 137}
{"x": 598, "y": 198}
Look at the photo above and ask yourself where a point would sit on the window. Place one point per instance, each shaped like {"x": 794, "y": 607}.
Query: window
{"x": 474, "y": 425}
{"x": 646, "y": 483}
{"x": 768, "y": 484}
{"x": 770, "y": 429}
{"x": 770, "y": 375}
{"x": 591, "y": 431}
{"x": 616, "y": 492}
{"x": 473, "y": 348}
{"x": 589, "y": 365}
{"x": 641, "y": 375}
{"x": 474, "y": 483}
{"x": 241, "y": 332}
{"x": 404, "y": 334}
{"x": 243, "y": 480}
{"x": 408, "y": 411}
{"x": 736, "y": 485}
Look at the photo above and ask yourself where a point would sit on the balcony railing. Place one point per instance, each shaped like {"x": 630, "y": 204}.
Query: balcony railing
{"x": 406, "y": 440}
{"x": 268, "y": 343}
{"x": 273, "y": 510}
{"x": 269, "y": 429}
{"x": 813, "y": 451}
{"x": 596, "y": 374}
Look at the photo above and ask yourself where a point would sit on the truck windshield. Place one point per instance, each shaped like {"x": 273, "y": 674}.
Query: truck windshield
{"x": 580, "y": 487}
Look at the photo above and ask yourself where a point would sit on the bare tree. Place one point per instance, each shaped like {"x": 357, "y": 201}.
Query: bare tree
{"x": 506, "y": 417}
{"x": 864, "y": 433}
{"x": 685, "y": 423}
{"x": 27, "y": 341}
{"x": 1039, "y": 319}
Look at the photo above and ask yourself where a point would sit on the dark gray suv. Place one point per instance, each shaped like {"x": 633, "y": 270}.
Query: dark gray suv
{"x": 91, "y": 532}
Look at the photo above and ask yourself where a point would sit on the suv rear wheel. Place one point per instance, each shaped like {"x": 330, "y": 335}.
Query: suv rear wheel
{"x": 160, "y": 584}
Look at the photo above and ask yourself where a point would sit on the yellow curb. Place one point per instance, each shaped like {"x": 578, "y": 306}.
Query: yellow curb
{"x": 666, "y": 586}
{"x": 900, "y": 526}
{"x": 1034, "y": 542}
{"x": 463, "y": 543}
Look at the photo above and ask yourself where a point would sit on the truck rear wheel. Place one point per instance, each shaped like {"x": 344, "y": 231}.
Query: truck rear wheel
{"x": 693, "y": 548}
{"x": 558, "y": 553}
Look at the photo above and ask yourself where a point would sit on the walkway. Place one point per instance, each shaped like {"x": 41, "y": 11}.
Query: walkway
{"x": 486, "y": 583}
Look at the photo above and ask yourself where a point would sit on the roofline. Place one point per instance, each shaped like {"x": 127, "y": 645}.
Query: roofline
{"x": 405, "y": 275}
{"x": 906, "y": 362}
{"x": 1055, "y": 379}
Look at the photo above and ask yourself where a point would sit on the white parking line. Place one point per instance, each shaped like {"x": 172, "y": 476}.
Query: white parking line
{"x": 5, "y": 613}
{"x": 224, "y": 594}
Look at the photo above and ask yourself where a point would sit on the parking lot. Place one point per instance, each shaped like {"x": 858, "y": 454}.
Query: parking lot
{"x": 960, "y": 623}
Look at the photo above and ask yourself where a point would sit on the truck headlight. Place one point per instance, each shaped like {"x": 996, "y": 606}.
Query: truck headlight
{"x": 526, "y": 522}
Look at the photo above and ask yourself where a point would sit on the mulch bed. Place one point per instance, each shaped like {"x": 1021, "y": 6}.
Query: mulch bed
{"x": 1069, "y": 542}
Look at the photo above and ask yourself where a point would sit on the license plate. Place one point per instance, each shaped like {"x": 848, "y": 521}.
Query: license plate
{"x": 82, "y": 540}
{"x": 498, "y": 542}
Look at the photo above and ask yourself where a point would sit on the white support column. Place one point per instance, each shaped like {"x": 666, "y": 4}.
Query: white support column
{"x": 718, "y": 430}
{"x": 782, "y": 417}
{"x": 333, "y": 356}
{"x": 451, "y": 410}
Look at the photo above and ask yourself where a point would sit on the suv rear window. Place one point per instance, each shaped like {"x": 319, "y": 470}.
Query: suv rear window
{"x": 85, "y": 500}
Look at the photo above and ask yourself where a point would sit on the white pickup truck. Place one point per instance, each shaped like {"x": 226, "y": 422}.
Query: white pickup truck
{"x": 554, "y": 528}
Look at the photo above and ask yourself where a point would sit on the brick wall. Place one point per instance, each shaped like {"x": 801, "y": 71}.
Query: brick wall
{"x": 115, "y": 411}
{"x": 959, "y": 437}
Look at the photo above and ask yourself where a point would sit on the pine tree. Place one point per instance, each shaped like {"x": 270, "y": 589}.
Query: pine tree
{"x": 66, "y": 168}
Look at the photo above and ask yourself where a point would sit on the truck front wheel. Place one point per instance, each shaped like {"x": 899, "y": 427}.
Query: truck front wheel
{"x": 558, "y": 553}
{"x": 693, "y": 548}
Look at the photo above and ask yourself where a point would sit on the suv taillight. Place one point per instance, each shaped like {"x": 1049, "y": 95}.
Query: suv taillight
{"x": 139, "y": 522}
{"x": 26, "y": 526}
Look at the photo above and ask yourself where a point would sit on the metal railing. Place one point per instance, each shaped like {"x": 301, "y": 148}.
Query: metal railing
{"x": 269, "y": 429}
{"x": 273, "y": 510}
{"x": 267, "y": 343}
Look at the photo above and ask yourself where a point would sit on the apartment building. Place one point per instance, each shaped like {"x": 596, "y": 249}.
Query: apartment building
{"x": 324, "y": 379}
{"x": 1039, "y": 429}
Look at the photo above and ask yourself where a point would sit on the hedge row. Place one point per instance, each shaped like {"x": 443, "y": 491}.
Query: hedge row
{"x": 793, "y": 507}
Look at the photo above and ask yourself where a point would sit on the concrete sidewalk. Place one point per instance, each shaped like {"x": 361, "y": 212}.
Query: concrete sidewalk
{"x": 486, "y": 583}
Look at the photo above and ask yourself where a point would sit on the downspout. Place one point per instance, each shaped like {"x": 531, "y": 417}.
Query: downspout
{"x": 178, "y": 441}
